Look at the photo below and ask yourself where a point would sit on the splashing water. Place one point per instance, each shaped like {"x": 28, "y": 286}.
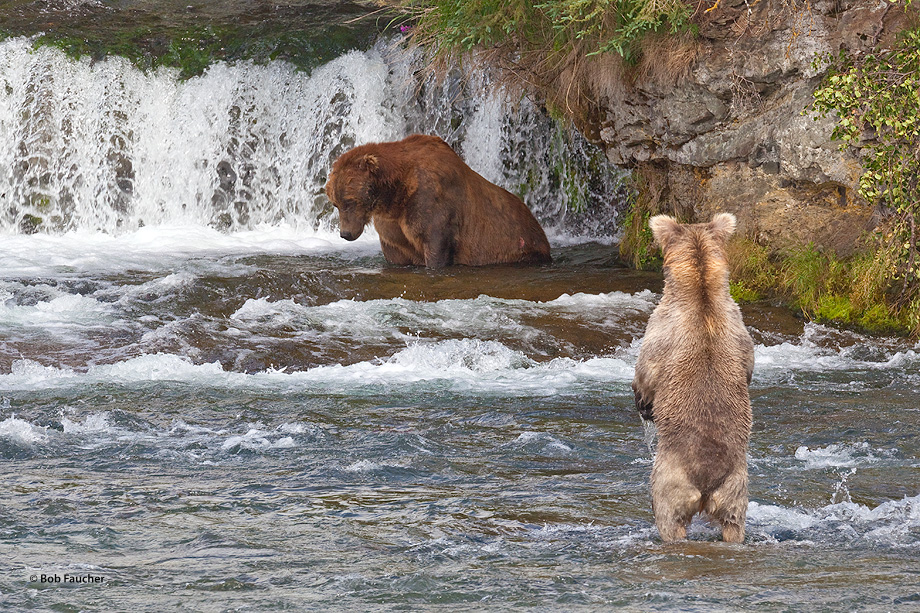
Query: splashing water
{"x": 105, "y": 147}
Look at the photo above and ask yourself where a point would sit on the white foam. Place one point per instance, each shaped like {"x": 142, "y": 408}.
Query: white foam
{"x": 526, "y": 437}
{"x": 29, "y": 374}
{"x": 159, "y": 367}
{"x": 93, "y": 423}
{"x": 460, "y": 357}
{"x": 545, "y": 442}
{"x": 62, "y": 311}
{"x": 262, "y": 308}
{"x": 300, "y": 428}
{"x": 98, "y": 429}
{"x": 161, "y": 248}
{"x": 182, "y": 426}
{"x": 644, "y": 301}
{"x": 367, "y": 466}
{"x": 772, "y": 518}
{"x": 891, "y": 523}
{"x": 837, "y": 455}
{"x": 776, "y": 361}
{"x": 406, "y": 319}
{"x": 257, "y": 439}
{"x": 22, "y": 432}
{"x": 463, "y": 364}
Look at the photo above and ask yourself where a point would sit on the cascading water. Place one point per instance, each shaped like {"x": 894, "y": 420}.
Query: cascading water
{"x": 105, "y": 147}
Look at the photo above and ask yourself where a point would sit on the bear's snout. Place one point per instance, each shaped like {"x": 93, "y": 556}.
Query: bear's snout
{"x": 349, "y": 235}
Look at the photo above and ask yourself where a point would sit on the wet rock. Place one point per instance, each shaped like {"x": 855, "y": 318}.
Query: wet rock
{"x": 786, "y": 214}
{"x": 30, "y": 224}
{"x": 741, "y": 114}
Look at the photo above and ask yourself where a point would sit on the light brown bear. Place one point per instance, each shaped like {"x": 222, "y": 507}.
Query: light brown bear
{"x": 430, "y": 208}
{"x": 692, "y": 379}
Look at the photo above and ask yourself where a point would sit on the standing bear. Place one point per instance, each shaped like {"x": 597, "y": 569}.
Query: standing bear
{"x": 692, "y": 379}
{"x": 430, "y": 208}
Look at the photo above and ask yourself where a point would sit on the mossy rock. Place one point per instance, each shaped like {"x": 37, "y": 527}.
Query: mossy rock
{"x": 191, "y": 37}
{"x": 30, "y": 224}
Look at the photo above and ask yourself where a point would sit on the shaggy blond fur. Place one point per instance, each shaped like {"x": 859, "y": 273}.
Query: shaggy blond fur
{"x": 692, "y": 379}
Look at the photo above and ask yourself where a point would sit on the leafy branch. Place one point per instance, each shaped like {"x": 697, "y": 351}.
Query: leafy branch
{"x": 877, "y": 102}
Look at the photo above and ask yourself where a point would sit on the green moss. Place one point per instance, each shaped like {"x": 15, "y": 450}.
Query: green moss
{"x": 637, "y": 247}
{"x": 577, "y": 173}
{"x": 192, "y": 39}
{"x": 849, "y": 291}
{"x": 30, "y": 224}
{"x": 833, "y": 308}
{"x": 879, "y": 319}
{"x": 566, "y": 165}
{"x": 742, "y": 294}
{"x": 40, "y": 202}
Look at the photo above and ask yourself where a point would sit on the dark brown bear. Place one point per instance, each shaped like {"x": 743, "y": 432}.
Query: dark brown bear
{"x": 430, "y": 208}
{"x": 692, "y": 379}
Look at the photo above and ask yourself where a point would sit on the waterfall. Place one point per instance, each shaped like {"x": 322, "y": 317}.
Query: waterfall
{"x": 104, "y": 147}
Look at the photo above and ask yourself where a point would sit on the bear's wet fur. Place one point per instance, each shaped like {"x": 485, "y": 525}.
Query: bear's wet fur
{"x": 430, "y": 208}
{"x": 692, "y": 379}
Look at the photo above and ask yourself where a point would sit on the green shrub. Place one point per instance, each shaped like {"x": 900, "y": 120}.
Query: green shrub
{"x": 450, "y": 26}
{"x": 875, "y": 99}
{"x": 750, "y": 268}
{"x": 804, "y": 274}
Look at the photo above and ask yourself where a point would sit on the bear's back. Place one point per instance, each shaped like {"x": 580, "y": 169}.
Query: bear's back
{"x": 697, "y": 349}
{"x": 493, "y": 225}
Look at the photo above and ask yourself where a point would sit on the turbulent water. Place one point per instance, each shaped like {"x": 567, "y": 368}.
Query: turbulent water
{"x": 210, "y": 401}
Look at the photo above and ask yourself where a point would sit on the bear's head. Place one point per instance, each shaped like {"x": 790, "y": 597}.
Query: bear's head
{"x": 694, "y": 252}
{"x": 352, "y": 188}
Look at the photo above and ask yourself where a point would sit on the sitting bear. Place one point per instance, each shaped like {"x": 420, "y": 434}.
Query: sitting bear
{"x": 430, "y": 208}
{"x": 692, "y": 379}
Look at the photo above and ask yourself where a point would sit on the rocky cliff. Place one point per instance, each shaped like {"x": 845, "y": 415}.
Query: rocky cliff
{"x": 723, "y": 122}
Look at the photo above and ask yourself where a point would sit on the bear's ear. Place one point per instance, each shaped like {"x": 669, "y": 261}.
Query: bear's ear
{"x": 723, "y": 225}
{"x": 664, "y": 228}
{"x": 369, "y": 162}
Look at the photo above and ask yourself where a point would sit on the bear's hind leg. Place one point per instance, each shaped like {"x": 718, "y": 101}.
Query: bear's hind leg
{"x": 674, "y": 502}
{"x": 728, "y": 506}
{"x": 732, "y": 533}
{"x": 671, "y": 528}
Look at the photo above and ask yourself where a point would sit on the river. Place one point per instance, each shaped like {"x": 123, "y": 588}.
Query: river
{"x": 209, "y": 401}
